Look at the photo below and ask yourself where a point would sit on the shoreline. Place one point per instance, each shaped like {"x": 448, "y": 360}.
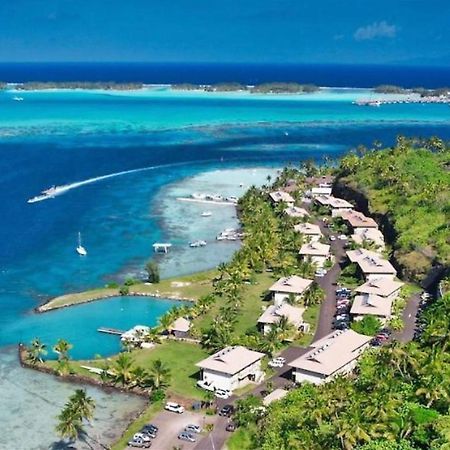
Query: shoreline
{"x": 156, "y": 291}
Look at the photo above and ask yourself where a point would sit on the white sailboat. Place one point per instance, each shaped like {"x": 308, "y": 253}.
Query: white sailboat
{"x": 80, "y": 249}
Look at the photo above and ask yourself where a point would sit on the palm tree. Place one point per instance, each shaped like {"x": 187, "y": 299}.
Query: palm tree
{"x": 270, "y": 341}
{"x": 141, "y": 377}
{"x": 314, "y": 295}
{"x": 166, "y": 320}
{"x": 79, "y": 407}
{"x": 160, "y": 374}
{"x": 36, "y": 351}
{"x": 61, "y": 348}
{"x": 284, "y": 328}
{"x": 123, "y": 369}
{"x": 152, "y": 336}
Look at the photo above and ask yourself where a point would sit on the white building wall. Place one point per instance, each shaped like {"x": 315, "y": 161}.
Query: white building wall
{"x": 319, "y": 261}
{"x": 375, "y": 276}
{"x": 280, "y": 297}
{"x": 336, "y": 212}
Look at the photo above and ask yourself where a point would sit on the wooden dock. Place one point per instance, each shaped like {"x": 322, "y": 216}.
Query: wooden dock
{"x": 161, "y": 247}
{"x": 107, "y": 330}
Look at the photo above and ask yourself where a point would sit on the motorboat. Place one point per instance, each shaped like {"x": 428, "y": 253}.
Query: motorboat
{"x": 196, "y": 244}
{"x": 80, "y": 249}
{"x": 206, "y": 214}
{"x": 44, "y": 195}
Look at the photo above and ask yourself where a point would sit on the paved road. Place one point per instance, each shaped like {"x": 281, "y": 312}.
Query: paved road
{"x": 328, "y": 284}
{"x": 409, "y": 320}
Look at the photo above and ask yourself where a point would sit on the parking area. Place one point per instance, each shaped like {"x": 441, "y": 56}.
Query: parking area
{"x": 170, "y": 424}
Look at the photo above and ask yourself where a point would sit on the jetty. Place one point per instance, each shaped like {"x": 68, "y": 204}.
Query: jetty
{"x": 161, "y": 247}
{"x": 107, "y": 330}
{"x": 445, "y": 100}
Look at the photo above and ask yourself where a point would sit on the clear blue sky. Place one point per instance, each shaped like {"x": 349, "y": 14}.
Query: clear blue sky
{"x": 296, "y": 31}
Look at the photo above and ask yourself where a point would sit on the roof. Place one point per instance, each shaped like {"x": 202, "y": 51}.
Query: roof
{"x": 359, "y": 253}
{"x": 181, "y": 324}
{"x": 371, "y": 304}
{"x": 358, "y": 220}
{"x": 292, "y": 284}
{"x": 382, "y": 287}
{"x": 277, "y": 394}
{"x": 315, "y": 249}
{"x": 308, "y": 229}
{"x": 334, "y": 202}
{"x": 332, "y": 352}
{"x": 368, "y": 234}
{"x": 324, "y": 179}
{"x": 280, "y": 196}
{"x": 273, "y": 313}
{"x": 374, "y": 265}
{"x": 295, "y": 211}
{"x": 230, "y": 360}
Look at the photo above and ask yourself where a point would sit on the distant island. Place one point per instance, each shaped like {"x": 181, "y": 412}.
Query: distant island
{"x": 392, "y": 89}
{"x": 263, "y": 88}
{"x": 88, "y": 85}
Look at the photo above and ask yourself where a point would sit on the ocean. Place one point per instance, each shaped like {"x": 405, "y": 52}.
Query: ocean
{"x": 169, "y": 144}
{"x": 364, "y": 76}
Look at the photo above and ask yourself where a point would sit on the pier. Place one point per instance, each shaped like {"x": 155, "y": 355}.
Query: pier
{"x": 107, "y": 330}
{"x": 405, "y": 101}
{"x": 161, "y": 247}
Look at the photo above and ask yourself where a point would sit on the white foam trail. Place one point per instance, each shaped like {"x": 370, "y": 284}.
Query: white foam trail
{"x": 59, "y": 190}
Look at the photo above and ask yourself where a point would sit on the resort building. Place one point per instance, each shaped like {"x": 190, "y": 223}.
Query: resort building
{"x": 295, "y": 211}
{"x": 324, "y": 180}
{"x": 336, "y": 353}
{"x": 180, "y": 328}
{"x": 272, "y": 315}
{"x": 316, "y": 252}
{"x": 381, "y": 287}
{"x": 371, "y": 305}
{"x": 310, "y": 231}
{"x": 281, "y": 196}
{"x": 371, "y": 235}
{"x": 286, "y": 286}
{"x": 371, "y": 264}
{"x": 232, "y": 368}
{"x": 322, "y": 190}
{"x": 135, "y": 335}
{"x": 357, "y": 220}
{"x": 336, "y": 205}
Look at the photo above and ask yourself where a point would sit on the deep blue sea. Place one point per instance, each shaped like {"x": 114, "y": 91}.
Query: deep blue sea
{"x": 169, "y": 144}
{"x": 322, "y": 75}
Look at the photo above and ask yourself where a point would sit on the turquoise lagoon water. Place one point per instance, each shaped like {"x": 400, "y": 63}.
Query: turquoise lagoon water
{"x": 175, "y": 144}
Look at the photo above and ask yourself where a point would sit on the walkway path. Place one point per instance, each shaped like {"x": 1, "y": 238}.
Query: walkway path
{"x": 328, "y": 284}
{"x": 409, "y": 320}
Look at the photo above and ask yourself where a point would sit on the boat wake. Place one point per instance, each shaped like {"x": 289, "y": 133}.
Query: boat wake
{"x": 59, "y": 190}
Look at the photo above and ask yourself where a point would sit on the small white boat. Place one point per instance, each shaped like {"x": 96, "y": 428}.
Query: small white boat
{"x": 206, "y": 214}
{"x": 196, "y": 244}
{"x": 80, "y": 249}
{"x": 18, "y": 99}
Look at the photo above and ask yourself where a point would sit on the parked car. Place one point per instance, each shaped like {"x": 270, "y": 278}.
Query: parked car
{"x": 205, "y": 385}
{"x": 277, "y": 362}
{"x": 174, "y": 407}
{"x": 332, "y": 238}
{"x": 425, "y": 296}
{"x": 342, "y": 317}
{"x": 342, "y": 237}
{"x": 184, "y": 436}
{"x": 139, "y": 443}
{"x": 320, "y": 273}
{"x": 343, "y": 290}
{"x": 191, "y": 428}
{"x": 151, "y": 427}
{"x": 231, "y": 426}
{"x": 341, "y": 325}
{"x": 150, "y": 432}
{"x": 375, "y": 342}
{"x": 226, "y": 411}
{"x": 142, "y": 436}
{"x": 222, "y": 393}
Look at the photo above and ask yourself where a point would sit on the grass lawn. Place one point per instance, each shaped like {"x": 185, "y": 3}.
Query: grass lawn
{"x": 251, "y": 308}
{"x": 180, "y": 357}
{"x": 311, "y": 315}
{"x": 241, "y": 439}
